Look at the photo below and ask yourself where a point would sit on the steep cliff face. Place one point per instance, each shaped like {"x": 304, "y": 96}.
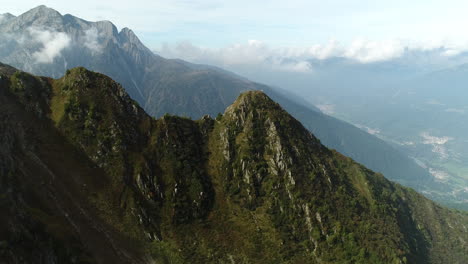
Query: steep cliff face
{"x": 88, "y": 177}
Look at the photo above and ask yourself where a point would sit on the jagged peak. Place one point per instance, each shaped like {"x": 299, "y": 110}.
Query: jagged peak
{"x": 84, "y": 75}
{"x": 107, "y": 28}
{"x": 97, "y": 80}
{"x": 257, "y": 107}
{"x": 80, "y": 78}
{"x": 6, "y": 16}
{"x": 254, "y": 95}
{"x": 252, "y": 100}
{"x": 78, "y": 70}
{"x": 126, "y": 31}
{"x": 42, "y": 9}
{"x": 127, "y": 35}
{"x": 41, "y": 16}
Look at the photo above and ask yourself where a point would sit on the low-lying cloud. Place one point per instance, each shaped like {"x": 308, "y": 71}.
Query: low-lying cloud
{"x": 292, "y": 59}
{"x": 360, "y": 50}
{"x": 52, "y": 44}
{"x": 370, "y": 51}
{"x": 253, "y": 52}
{"x": 44, "y": 45}
{"x": 91, "y": 40}
{"x": 298, "y": 59}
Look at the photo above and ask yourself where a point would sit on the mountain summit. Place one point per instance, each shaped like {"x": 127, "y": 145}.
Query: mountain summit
{"x": 88, "y": 177}
{"x": 57, "y": 43}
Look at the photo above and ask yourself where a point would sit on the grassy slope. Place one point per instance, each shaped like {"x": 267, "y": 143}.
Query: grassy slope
{"x": 48, "y": 188}
{"x": 251, "y": 186}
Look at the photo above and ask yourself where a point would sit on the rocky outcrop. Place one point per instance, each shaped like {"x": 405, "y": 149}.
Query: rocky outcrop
{"x": 173, "y": 86}
{"x": 89, "y": 177}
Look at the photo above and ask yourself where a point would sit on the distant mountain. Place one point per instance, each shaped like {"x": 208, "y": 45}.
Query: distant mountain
{"x": 159, "y": 85}
{"x": 88, "y": 177}
{"x": 173, "y": 86}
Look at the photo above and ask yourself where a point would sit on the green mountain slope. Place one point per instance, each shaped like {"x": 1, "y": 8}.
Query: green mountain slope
{"x": 176, "y": 87}
{"x": 88, "y": 177}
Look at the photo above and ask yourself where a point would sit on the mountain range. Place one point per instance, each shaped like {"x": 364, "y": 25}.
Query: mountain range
{"x": 163, "y": 86}
{"x": 414, "y": 103}
{"x": 88, "y": 177}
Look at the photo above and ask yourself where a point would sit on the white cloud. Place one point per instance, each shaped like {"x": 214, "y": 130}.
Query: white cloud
{"x": 294, "y": 59}
{"x": 211, "y": 22}
{"x": 253, "y": 52}
{"x": 282, "y": 26}
{"x": 452, "y": 52}
{"x": 91, "y": 40}
{"x": 372, "y": 51}
{"x": 52, "y": 42}
{"x": 332, "y": 49}
{"x": 361, "y": 50}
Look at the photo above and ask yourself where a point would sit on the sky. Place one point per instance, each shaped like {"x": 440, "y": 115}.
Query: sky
{"x": 215, "y": 23}
{"x": 365, "y": 30}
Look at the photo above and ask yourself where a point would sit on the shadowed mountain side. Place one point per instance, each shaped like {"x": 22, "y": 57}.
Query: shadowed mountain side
{"x": 88, "y": 177}
{"x": 163, "y": 86}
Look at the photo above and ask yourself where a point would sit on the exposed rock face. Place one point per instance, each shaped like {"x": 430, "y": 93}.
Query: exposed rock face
{"x": 88, "y": 177}
{"x": 172, "y": 86}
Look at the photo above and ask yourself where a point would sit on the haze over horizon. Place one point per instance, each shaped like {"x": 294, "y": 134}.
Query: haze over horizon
{"x": 221, "y": 33}
{"x": 334, "y": 132}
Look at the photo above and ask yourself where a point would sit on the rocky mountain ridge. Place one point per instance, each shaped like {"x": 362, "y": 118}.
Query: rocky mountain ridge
{"x": 89, "y": 177}
{"x": 163, "y": 86}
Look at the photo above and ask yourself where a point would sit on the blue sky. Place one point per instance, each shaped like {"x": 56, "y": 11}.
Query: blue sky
{"x": 217, "y": 23}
